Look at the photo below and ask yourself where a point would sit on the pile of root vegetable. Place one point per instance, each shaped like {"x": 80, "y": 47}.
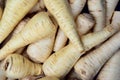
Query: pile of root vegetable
{"x": 57, "y": 40}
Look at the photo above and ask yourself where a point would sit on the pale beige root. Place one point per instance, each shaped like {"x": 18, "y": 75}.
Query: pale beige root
{"x": 93, "y": 39}
{"x": 41, "y": 50}
{"x": 97, "y": 9}
{"x": 68, "y": 55}
{"x": 110, "y": 7}
{"x": 14, "y": 11}
{"x": 60, "y": 9}
{"x": 2, "y": 77}
{"x": 60, "y": 63}
{"x": 111, "y": 69}
{"x": 98, "y": 37}
{"x": 18, "y": 28}
{"x": 88, "y": 66}
{"x": 38, "y": 7}
{"x": 6, "y": 40}
{"x": 84, "y": 23}
{"x": 116, "y": 19}
{"x": 16, "y": 66}
{"x": 48, "y": 78}
{"x": 60, "y": 40}
{"x": 37, "y": 28}
{"x": 76, "y": 6}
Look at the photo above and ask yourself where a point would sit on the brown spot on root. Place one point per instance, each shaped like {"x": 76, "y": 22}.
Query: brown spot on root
{"x": 83, "y": 72}
{"x": 6, "y": 65}
{"x": 106, "y": 2}
{"x": 71, "y": 1}
{"x": 99, "y": 10}
{"x": 85, "y": 63}
{"x": 110, "y": 29}
{"x": 92, "y": 11}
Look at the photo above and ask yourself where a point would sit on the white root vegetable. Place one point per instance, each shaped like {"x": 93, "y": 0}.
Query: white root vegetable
{"x": 2, "y": 77}
{"x": 110, "y": 7}
{"x": 88, "y": 66}
{"x": 60, "y": 9}
{"x": 60, "y": 41}
{"x": 38, "y": 7}
{"x": 37, "y": 28}
{"x": 41, "y": 50}
{"x": 68, "y": 55}
{"x": 14, "y": 11}
{"x": 20, "y": 26}
{"x": 98, "y": 12}
{"x": 84, "y": 23}
{"x": 115, "y": 23}
{"x": 76, "y": 6}
{"x": 92, "y": 39}
{"x": 16, "y": 66}
{"x": 17, "y": 30}
{"x": 111, "y": 69}
{"x": 48, "y": 78}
